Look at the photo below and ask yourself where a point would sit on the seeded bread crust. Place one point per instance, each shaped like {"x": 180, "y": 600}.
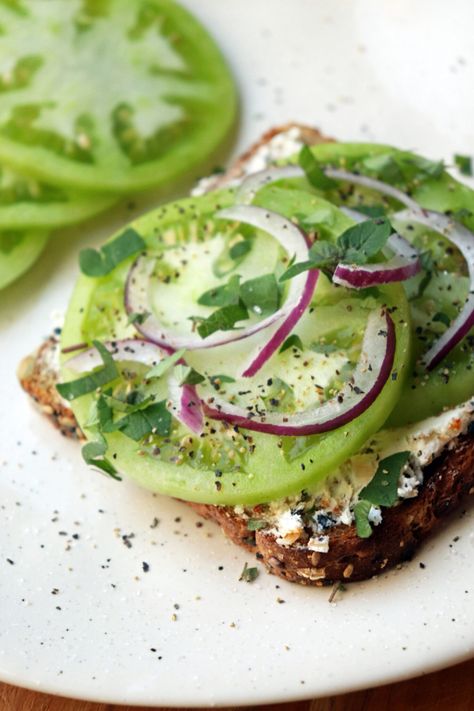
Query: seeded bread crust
{"x": 448, "y": 480}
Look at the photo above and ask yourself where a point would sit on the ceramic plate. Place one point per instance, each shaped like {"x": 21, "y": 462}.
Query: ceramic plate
{"x": 112, "y": 594}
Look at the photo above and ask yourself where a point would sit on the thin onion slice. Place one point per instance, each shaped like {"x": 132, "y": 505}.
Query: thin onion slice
{"x": 254, "y": 182}
{"x": 463, "y": 239}
{"x": 137, "y": 289}
{"x": 370, "y": 376}
{"x": 185, "y": 405}
{"x": 128, "y": 349}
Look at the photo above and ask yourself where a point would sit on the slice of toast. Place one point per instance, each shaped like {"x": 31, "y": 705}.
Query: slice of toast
{"x": 448, "y": 480}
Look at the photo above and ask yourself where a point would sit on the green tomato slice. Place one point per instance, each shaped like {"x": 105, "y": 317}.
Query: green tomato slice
{"x": 224, "y": 466}
{"x": 110, "y": 95}
{"x": 452, "y": 382}
{"x": 28, "y": 202}
{"x": 18, "y": 252}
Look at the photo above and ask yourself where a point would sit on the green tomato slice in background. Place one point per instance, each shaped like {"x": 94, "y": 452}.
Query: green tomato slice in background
{"x": 263, "y": 467}
{"x": 110, "y": 95}
{"x": 18, "y": 252}
{"x": 28, "y": 202}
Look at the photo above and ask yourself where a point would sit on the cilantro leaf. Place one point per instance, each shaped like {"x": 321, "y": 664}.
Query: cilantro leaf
{"x": 463, "y": 163}
{"x": 96, "y": 379}
{"x": 364, "y": 240}
{"x": 314, "y": 173}
{"x": 185, "y": 375}
{"x": 382, "y": 489}
{"x": 165, "y": 364}
{"x": 222, "y": 295}
{"x": 95, "y": 263}
{"x": 292, "y": 341}
{"x": 223, "y": 319}
{"x": 240, "y": 249}
{"x": 361, "y": 515}
{"x": 261, "y": 295}
{"x": 93, "y": 455}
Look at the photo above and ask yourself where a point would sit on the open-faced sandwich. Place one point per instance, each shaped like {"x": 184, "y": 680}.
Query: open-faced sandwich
{"x": 288, "y": 350}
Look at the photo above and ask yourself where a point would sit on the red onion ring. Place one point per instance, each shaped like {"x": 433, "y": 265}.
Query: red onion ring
{"x": 138, "y": 283}
{"x": 463, "y": 239}
{"x": 370, "y": 376}
{"x": 185, "y": 405}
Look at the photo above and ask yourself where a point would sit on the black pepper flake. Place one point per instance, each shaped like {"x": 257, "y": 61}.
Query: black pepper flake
{"x": 9, "y": 560}
{"x": 422, "y": 565}
{"x": 145, "y": 567}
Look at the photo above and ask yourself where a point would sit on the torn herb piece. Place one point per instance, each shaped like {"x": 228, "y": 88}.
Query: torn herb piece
{"x": 240, "y": 249}
{"x": 248, "y": 574}
{"x": 223, "y": 319}
{"x": 185, "y": 375}
{"x": 441, "y": 317}
{"x": 371, "y": 210}
{"x": 96, "y": 263}
{"x": 292, "y": 341}
{"x": 364, "y": 240}
{"x": 217, "y": 380}
{"x": 361, "y": 515}
{"x": 152, "y": 419}
{"x": 96, "y": 379}
{"x": 382, "y": 489}
{"x": 225, "y": 295}
{"x": 463, "y": 163}
{"x": 256, "y": 524}
{"x": 137, "y": 317}
{"x": 313, "y": 171}
{"x": 165, "y": 364}
{"x": 261, "y": 295}
{"x": 296, "y": 269}
{"x": 93, "y": 455}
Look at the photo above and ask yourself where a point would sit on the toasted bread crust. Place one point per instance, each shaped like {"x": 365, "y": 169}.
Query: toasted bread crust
{"x": 448, "y": 480}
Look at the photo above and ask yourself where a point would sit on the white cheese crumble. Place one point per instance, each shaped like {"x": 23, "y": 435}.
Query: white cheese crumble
{"x": 375, "y": 515}
{"x": 318, "y": 544}
{"x": 289, "y": 528}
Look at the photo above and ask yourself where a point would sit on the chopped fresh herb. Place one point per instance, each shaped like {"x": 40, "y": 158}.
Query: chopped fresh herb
{"x": 165, "y": 364}
{"x": 441, "y": 318}
{"x": 218, "y": 379}
{"x": 96, "y": 263}
{"x": 152, "y": 419}
{"x": 225, "y": 295}
{"x": 292, "y": 341}
{"x": 240, "y": 249}
{"x": 93, "y": 455}
{"x": 223, "y": 319}
{"x": 137, "y": 317}
{"x": 385, "y": 167}
{"x": 361, "y": 515}
{"x": 261, "y": 295}
{"x": 402, "y": 167}
{"x": 296, "y": 269}
{"x": 464, "y": 164}
{"x": 371, "y": 210}
{"x": 461, "y": 214}
{"x": 314, "y": 173}
{"x": 364, "y": 240}
{"x": 185, "y": 375}
{"x": 96, "y": 379}
{"x": 256, "y": 524}
{"x": 248, "y": 574}
{"x": 382, "y": 489}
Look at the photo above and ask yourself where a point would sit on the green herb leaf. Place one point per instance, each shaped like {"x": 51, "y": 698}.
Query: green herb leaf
{"x": 225, "y": 295}
{"x": 223, "y": 319}
{"x": 402, "y": 167}
{"x": 248, "y": 574}
{"x": 256, "y": 524}
{"x": 261, "y": 295}
{"x": 364, "y": 240}
{"x": 442, "y": 318}
{"x": 385, "y": 167}
{"x": 165, "y": 364}
{"x": 185, "y": 375}
{"x": 361, "y": 515}
{"x": 152, "y": 419}
{"x": 464, "y": 164}
{"x": 324, "y": 255}
{"x": 137, "y": 317}
{"x": 371, "y": 210}
{"x": 93, "y": 455}
{"x": 95, "y": 263}
{"x": 314, "y": 173}
{"x": 240, "y": 249}
{"x": 96, "y": 379}
{"x": 296, "y": 269}
{"x": 218, "y": 379}
{"x": 292, "y": 341}
{"x": 382, "y": 489}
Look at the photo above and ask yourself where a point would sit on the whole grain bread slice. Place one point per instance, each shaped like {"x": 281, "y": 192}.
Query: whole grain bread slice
{"x": 448, "y": 480}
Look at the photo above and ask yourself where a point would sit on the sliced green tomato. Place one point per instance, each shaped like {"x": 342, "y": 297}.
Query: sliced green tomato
{"x": 28, "y": 202}
{"x": 18, "y": 251}
{"x": 226, "y": 467}
{"x": 110, "y": 95}
{"x": 452, "y": 382}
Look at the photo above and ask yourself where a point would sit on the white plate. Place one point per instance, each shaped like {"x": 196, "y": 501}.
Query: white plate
{"x": 78, "y": 615}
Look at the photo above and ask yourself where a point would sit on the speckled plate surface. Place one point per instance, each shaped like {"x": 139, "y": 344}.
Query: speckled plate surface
{"x": 110, "y": 593}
